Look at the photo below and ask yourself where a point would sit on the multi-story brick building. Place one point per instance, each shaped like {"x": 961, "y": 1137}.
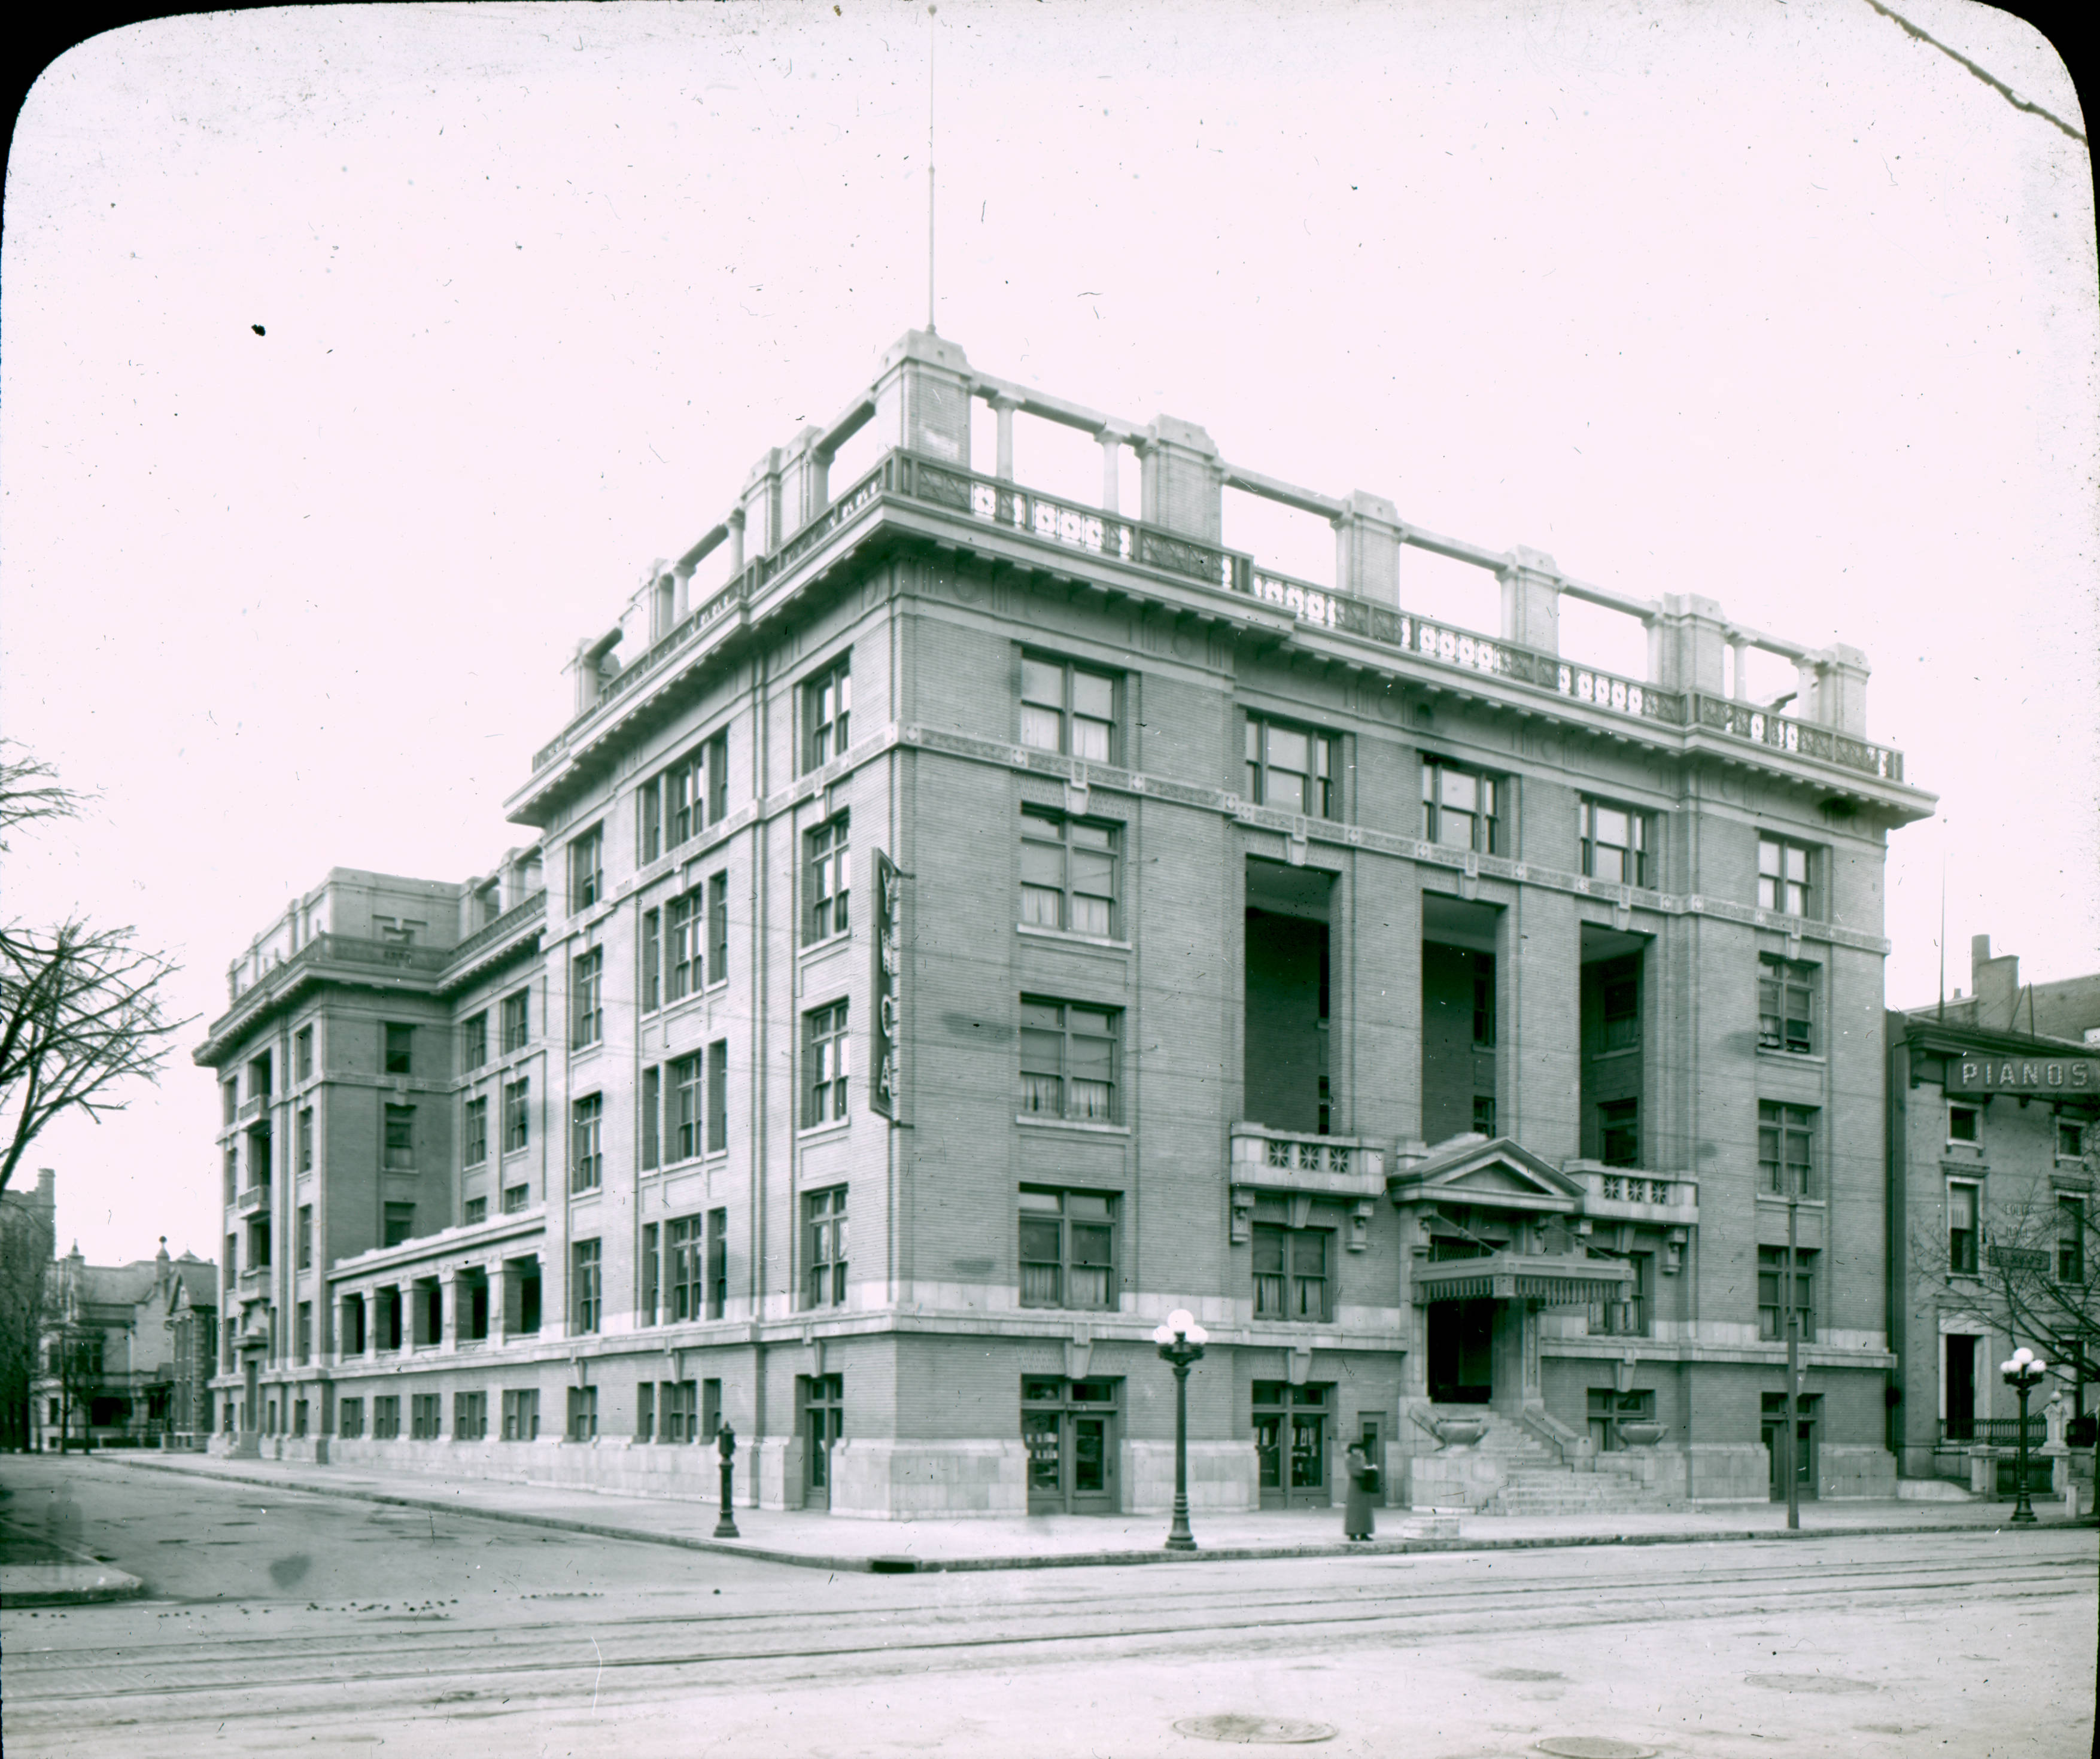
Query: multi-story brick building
{"x": 984, "y": 922}
{"x": 1993, "y": 1133}
{"x": 116, "y": 1369}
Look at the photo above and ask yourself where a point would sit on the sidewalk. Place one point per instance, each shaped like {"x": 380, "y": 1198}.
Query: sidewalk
{"x": 823, "y": 1541}
{"x": 37, "y": 1571}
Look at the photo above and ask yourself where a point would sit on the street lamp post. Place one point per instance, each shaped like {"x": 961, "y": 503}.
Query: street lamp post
{"x": 2023, "y": 1372}
{"x": 725, "y": 1446}
{"x": 1180, "y": 1342}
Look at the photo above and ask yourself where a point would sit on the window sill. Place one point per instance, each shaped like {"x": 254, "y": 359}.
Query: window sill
{"x": 1048, "y": 1306}
{"x": 836, "y": 1127}
{"x": 1071, "y": 937}
{"x": 1780, "y": 1053}
{"x": 838, "y": 937}
{"x": 1037, "y": 1121}
{"x": 580, "y": 1052}
{"x": 1778, "y": 1200}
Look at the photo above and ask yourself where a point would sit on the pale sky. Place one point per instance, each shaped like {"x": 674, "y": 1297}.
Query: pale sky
{"x": 1765, "y": 301}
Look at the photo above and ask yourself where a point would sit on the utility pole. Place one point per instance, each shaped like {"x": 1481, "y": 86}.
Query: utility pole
{"x": 1793, "y": 1464}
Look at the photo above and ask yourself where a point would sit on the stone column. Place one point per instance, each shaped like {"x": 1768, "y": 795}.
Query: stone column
{"x": 1002, "y": 408}
{"x": 1808, "y": 688}
{"x": 1842, "y": 700}
{"x": 1531, "y": 600}
{"x": 1185, "y": 482}
{"x": 1367, "y": 549}
{"x": 1111, "y": 471}
{"x": 1690, "y": 639}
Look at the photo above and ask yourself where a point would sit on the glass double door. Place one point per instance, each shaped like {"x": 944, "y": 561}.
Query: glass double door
{"x": 1069, "y": 1429}
{"x": 824, "y": 1423}
{"x": 1291, "y": 1433}
{"x": 1774, "y": 1427}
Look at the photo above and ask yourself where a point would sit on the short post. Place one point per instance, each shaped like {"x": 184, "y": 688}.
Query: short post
{"x": 2023, "y": 1372}
{"x": 1180, "y": 1342}
{"x": 725, "y": 1446}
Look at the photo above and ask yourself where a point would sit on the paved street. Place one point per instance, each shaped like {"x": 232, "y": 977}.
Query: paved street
{"x": 288, "y": 1622}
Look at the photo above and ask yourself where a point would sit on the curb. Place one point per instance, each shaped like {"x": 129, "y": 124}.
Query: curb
{"x": 895, "y": 1565}
{"x": 59, "y": 1585}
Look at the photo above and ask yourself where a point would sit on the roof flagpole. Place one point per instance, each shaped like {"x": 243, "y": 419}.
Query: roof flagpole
{"x": 931, "y": 11}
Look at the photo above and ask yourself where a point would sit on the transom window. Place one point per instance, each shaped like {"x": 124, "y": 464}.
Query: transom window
{"x": 1289, "y": 1272}
{"x": 1068, "y": 1060}
{"x": 824, "y": 1247}
{"x": 1291, "y": 767}
{"x": 1068, "y": 873}
{"x": 1067, "y": 1250}
{"x": 824, "y": 1047}
{"x": 587, "y": 868}
{"x": 1066, "y": 708}
{"x": 1786, "y": 1149}
{"x": 1786, "y": 1005}
{"x": 1461, "y": 809}
{"x": 827, "y": 713}
{"x": 825, "y": 865}
{"x": 1785, "y": 872}
{"x": 1615, "y": 842}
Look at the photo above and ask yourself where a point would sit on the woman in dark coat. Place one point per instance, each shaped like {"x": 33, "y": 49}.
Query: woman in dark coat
{"x": 1358, "y": 1521}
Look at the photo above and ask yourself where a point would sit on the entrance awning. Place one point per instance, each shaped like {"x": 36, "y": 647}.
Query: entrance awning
{"x": 1551, "y": 1281}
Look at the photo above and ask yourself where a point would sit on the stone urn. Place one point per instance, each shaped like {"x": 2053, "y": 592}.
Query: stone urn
{"x": 1640, "y": 1435}
{"x": 1459, "y": 1431}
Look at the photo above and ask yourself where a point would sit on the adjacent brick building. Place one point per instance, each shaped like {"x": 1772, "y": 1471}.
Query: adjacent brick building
{"x": 122, "y": 1345}
{"x": 983, "y": 922}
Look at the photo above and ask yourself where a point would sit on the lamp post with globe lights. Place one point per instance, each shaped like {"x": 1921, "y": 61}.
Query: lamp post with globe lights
{"x": 1180, "y": 1340}
{"x": 2023, "y": 1372}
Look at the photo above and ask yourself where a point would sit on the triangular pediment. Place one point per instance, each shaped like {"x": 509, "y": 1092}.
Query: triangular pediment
{"x": 1485, "y": 1170}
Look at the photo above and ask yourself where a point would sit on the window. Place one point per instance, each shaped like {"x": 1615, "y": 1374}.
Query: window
{"x": 400, "y": 1139}
{"x": 516, "y": 1197}
{"x": 423, "y": 1416}
{"x": 1483, "y": 1114}
{"x": 1618, "y": 1131}
{"x": 1786, "y": 1149}
{"x": 676, "y": 806}
{"x": 259, "y": 1244}
{"x": 475, "y": 1136}
{"x": 681, "y": 1402}
{"x": 718, "y": 927}
{"x": 521, "y": 1415}
{"x": 302, "y": 1333}
{"x": 824, "y": 1232}
{"x": 586, "y": 1143}
{"x": 401, "y": 1222}
{"x": 258, "y": 1077}
{"x": 1961, "y": 1228}
{"x": 302, "y": 1054}
{"x": 400, "y": 1049}
{"x": 388, "y": 1301}
{"x": 1068, "y": 873}
{"x": 515, "y": 1030}
{"x": 687, "y": 1078}
{"x": 824, "y": 1053}
{"x": 2070, "y": 1140}
{"x": 229, "y": 1101}
{"x": 349, "y": 1418}
{"x": 1290, "y": 1273}
{"x": 652, "y": 960}
{"x": 1615, "y": 841}
{"x": 474, "y": 1210}
{"x": 1289, "y": 768}
{"x": 583, "y": 1413}
{"x": 1460, "y": 809}
{"x": 652, "y": 1118}
{"x": 718, "y": 1096}
{"x": 584, "y": 1288}
{"x": 1620, "y": 983}
{"x": 587, "y": 868}
{"x": 683, "y": 1246}
{"x": 587, "y": 997}
{"x": 1786, "y": 1005}
{"x": 1068, "y": 1061}
{"x": 353, "y": 1325}
{"x": 649, "y": 1312}
{"x": 1067, "y": 1250}
{"x": 686, "y": 972}
{"x": 2071, "y": 1240}
{"x": 1772, "y": 1279}
{"x": 229, "y": 1157}
{"x": 474, "y": 1041}
{"x": 516, "y": 1114}
{"x": 827, "y": 709}
{"x": 306, "y": 1139}
{"x": 825, "y": 865}
{"x": 386, "y": 1419}
{"x": 1065, "y": 709}
{"x": 1784, "y": 875}
{"x": 306, "y": 1237}
{"x": 710, "y": 1410}
{"x": 645, "y": 1411}
{"x": 717, "y": 1282}
{"x": 1608, "y": 1409}
{"x": 469, "y": 1417}
{"x": 1626, "y": 1316}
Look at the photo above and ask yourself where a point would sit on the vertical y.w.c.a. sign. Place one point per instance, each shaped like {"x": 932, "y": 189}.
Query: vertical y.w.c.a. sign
{"x": 882, "y": 1088}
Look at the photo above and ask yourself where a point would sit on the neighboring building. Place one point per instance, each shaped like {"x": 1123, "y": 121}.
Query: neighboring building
{"x": 985, "y": 922}
{"x": 27, "y": 1218}
{"x": 1993, "y": 1138}
{"x": 112, "y": 1364}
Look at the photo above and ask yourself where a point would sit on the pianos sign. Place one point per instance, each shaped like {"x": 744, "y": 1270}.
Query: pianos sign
{"x": 882, "y": 1086}
{"x": 2053, "y": 1075}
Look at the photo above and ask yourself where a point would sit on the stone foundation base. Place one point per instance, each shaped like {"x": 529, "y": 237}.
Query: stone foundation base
{"x": 1223, "y": 1476}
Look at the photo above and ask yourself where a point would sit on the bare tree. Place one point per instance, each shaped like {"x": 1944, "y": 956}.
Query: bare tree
{"x": 25, "y": 1257}
{"x": 2041, "y": 1268}
{"x": 81, "y": 1007}
{"x": 72, "y": 1357}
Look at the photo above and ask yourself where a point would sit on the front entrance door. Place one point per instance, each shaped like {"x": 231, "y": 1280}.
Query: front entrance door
{"x": 824, "y": 1422}
{"x": 1291, "y": 1444}
{"x": 1461, "y": 1351}
{"x": 251, "y": 1408}
{"x": 1068, "y": 1428}
{"x": 1804, "y": 1445}
{"x": 1961, "y": 1389}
